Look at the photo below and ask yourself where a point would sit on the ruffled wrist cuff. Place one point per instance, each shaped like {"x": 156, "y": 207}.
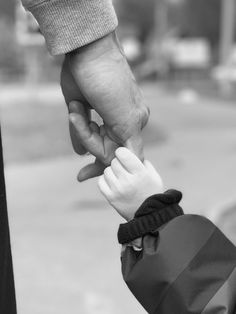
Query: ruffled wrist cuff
{"x": 155, "y": 211}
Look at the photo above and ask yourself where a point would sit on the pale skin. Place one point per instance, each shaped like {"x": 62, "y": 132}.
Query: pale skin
{"x": 128, "y": 182}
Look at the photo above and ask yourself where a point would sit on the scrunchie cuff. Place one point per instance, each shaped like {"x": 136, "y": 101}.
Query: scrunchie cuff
{"x": 154, "y": 212}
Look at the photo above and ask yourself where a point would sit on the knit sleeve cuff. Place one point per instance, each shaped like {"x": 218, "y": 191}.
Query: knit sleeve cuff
{"x": 155, "y": 211}
{"x": 70, "y": 24}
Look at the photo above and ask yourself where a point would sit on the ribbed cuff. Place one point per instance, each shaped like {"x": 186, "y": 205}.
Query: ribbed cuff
{"x": 70, "y": 24}
{"x": 155, "y": 211}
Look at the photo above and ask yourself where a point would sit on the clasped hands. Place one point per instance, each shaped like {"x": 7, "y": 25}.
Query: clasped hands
{"x": 97, "y": 76}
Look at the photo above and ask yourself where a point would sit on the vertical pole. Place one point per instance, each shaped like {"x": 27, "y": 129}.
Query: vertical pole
{"x": 161, "y": 29}
{"x": 161, "y": 19}
{"x": 227, "y": 29}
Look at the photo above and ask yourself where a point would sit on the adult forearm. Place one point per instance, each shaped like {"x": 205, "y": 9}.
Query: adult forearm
{"x": 70, "y": 24}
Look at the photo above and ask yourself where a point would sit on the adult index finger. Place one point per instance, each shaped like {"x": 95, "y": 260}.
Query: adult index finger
{"x": 90, "y": 140}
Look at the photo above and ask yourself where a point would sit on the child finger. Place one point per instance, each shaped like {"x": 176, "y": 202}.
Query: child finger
{"x": 110, "y": 178}
{"x": 117, "y": 168}
{"x": 129, "y": 160}
{"x": 153, "y": 172}
{"x": 103, "y": 187}
{"x": 148, "y": 165}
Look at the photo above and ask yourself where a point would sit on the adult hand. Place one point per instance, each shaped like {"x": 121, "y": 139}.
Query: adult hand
{"x": 98, "y": 77}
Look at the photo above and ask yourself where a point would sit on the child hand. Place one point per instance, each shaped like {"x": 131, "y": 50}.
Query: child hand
{"x": 128, "y": 182}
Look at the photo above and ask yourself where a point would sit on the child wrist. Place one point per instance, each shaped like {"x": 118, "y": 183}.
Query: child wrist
{"x": 155, "y": 211}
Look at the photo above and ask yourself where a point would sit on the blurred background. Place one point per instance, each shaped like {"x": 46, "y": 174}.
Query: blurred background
{"x": 183, "y": 54}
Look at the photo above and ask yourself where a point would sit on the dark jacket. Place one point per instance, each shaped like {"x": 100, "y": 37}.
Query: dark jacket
{"x": 187, "y": 266}
{"x": 7, "y": 293}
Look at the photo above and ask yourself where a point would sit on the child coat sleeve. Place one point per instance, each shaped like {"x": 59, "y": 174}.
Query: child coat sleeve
{"x": 187, "y": 267}
{"x": 70, "y": 24}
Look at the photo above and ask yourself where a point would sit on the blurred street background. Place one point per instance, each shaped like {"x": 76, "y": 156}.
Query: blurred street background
{"x": 65, "y": 252}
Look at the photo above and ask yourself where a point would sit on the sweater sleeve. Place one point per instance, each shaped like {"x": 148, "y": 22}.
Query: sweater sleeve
{"x": 70, "y": 24}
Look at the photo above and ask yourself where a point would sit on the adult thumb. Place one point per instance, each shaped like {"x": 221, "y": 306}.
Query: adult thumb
{"x": 91, "y": 171}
